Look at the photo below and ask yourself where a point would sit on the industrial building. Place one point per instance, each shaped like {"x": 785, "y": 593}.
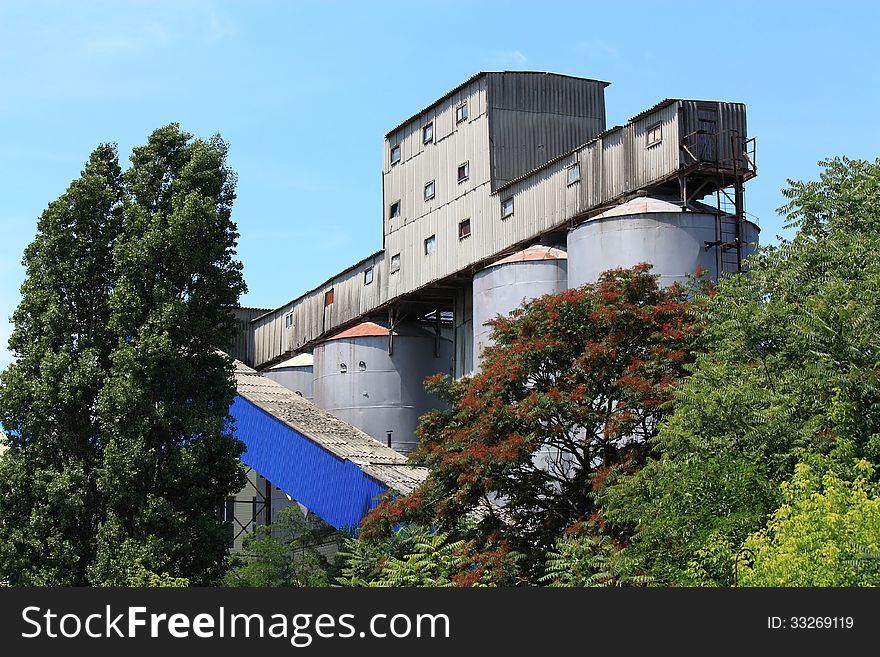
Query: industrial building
{"x": 508, "y": 187}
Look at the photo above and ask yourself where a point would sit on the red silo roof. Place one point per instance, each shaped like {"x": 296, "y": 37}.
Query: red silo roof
{"x": 364, "y": 329}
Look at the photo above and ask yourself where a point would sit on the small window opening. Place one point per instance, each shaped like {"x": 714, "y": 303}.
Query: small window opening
{"x": 343, "y": 368}
{"x": 464, "y": 229}
{"x": 395, "y": 263}
{"x": 507, "y": 207}
{"x": 430, "y": 244}
{"x": 464, "y": 171}
{"x": 395, "y": 154}
{"x": 654, "y": 135}
{"x": 428, "y": 133}
{"x": 574, "y": 173}
{"x": 461, "y": 113}
{"x": 394, "y": 210}
{"x": 328, "y": 297}
{"x": 429, "y": 190}
{"x": 368, "y": 276}
{"x": 362, "y": 366}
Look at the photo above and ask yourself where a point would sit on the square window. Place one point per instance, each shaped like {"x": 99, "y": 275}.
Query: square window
{"x": 328, "y": 297}
{"x": 574, "y": 173}
{"x": 368, "y": 276}
{"x": 395, "y": 263}
{"x": 654, "y": 135}
{"x": 461, "y": 113}
{"x": 394, "y": 210}
{"x": 288, "y": 320}
{"x": 507, "y": 207}
{"x": 464, "y": 229}
{"x": 464, "y": 170}
{"x": 429, "y": 190}
{"x": 395, "y": 154}
{"x": 430, "y": 244}
{"x": 428, "y": 133}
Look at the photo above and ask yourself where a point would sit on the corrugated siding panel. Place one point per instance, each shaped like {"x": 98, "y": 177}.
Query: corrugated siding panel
{"x": 335, "y": 489}
{"x": 437, "y": 160}
{"x": 731, "y": 119}
{"x": 651, "y": 163}
{"x": 538, "y": 117}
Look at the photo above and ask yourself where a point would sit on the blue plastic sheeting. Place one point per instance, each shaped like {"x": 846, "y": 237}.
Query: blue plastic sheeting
{"x": 335, "y": 489}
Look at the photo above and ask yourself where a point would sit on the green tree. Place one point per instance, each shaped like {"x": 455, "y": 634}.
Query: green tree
{"x": 120, "y": 446}
{"x": 285, "y": 553}
{"x": 50, "y": 508}
{"x": 418, "y": 556}
{"x": 590, "y": 560}
{"x": 169, "y": 450}
{"x": 574, "y": 384}
{"x": 826, "y": 533}
{"x": 787, "y": 367}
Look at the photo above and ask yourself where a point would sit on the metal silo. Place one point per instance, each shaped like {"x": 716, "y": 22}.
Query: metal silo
{"x": 374, "y": 380}
{"x": 651, "y": 230}
{"x": 504, "y": 285}
{"x": 294, "y": 374}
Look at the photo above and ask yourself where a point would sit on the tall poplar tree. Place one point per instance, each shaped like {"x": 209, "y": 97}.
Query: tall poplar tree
{"x": 50, "y": 508}
{"x": 170, "y": 455}
{"x": 117, "y": 406}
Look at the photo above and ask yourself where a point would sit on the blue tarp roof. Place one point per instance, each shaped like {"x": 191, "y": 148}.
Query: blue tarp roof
{"x": 331, "y": 467}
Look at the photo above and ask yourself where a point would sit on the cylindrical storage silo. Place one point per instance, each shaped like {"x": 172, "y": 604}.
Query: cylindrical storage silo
{"x": 654, "y": 231}
{"x": 294, "y": 374}
{"x": 375, "y": 381}
{"x": 504, "y": 285}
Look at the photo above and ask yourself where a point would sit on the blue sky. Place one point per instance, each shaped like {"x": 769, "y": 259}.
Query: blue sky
{"x": 305, "y": 91}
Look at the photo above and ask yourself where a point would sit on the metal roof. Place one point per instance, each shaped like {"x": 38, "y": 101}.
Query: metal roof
{"x": 304, "y": 359}
{"x": 328, "y": 432}
{"x": 475, "y": 77}
{"x": 534, "y": 253}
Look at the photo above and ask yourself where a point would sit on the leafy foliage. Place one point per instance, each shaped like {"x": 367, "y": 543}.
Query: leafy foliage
{"x": 826, "y": 533}
{"x": 417, "y": 556}
{"x": 285, "y": 553}
{"x": 50, "y": 507}
{"x": 117, "y": 405}
{"x": 787, "y": 367}
{"x": 140, "y": 577}
{"x": 590, "y": 560}
{"x": 574, "y": 384}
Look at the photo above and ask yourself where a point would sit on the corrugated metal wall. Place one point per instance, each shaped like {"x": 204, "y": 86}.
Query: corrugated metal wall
{"x": 536, "y": 117}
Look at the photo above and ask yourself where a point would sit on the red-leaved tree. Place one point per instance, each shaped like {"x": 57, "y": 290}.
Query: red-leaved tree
{"x": 573, "y": 386}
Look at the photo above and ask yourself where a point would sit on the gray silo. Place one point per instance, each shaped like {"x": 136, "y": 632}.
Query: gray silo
{"x": 504, "y": 285}
{"x": 658, "y": 232}
{"x": 294, "y": 374}
{"x": 374, "y": 380}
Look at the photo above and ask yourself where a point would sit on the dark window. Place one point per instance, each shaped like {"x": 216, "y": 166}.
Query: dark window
{"x": 362, "y": 366}
{"x": 464, "y": 170}
{"x": 343, "y": 368}
{"x": 461, "y": 113}
{"x": 464, "y": 228}
{"x": 429, "y": 190}
{"x": 368, "y": 276}
{"x": 328, "y": 297}
{"x": 428, "y": 133}
{"x": 394, "y": 210}
{"x": 395, "y": 263}
{"x": 507, "y": 207}
{"x": 430, "y": 244}
{"x": 395, "y": 154}
{"x": 574, "y": 173}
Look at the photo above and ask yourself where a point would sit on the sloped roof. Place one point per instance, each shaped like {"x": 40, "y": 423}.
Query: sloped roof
{"x": 328, "y": 432}
{"x": 300, "y": 360}
{"x": 534, "y": 253}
